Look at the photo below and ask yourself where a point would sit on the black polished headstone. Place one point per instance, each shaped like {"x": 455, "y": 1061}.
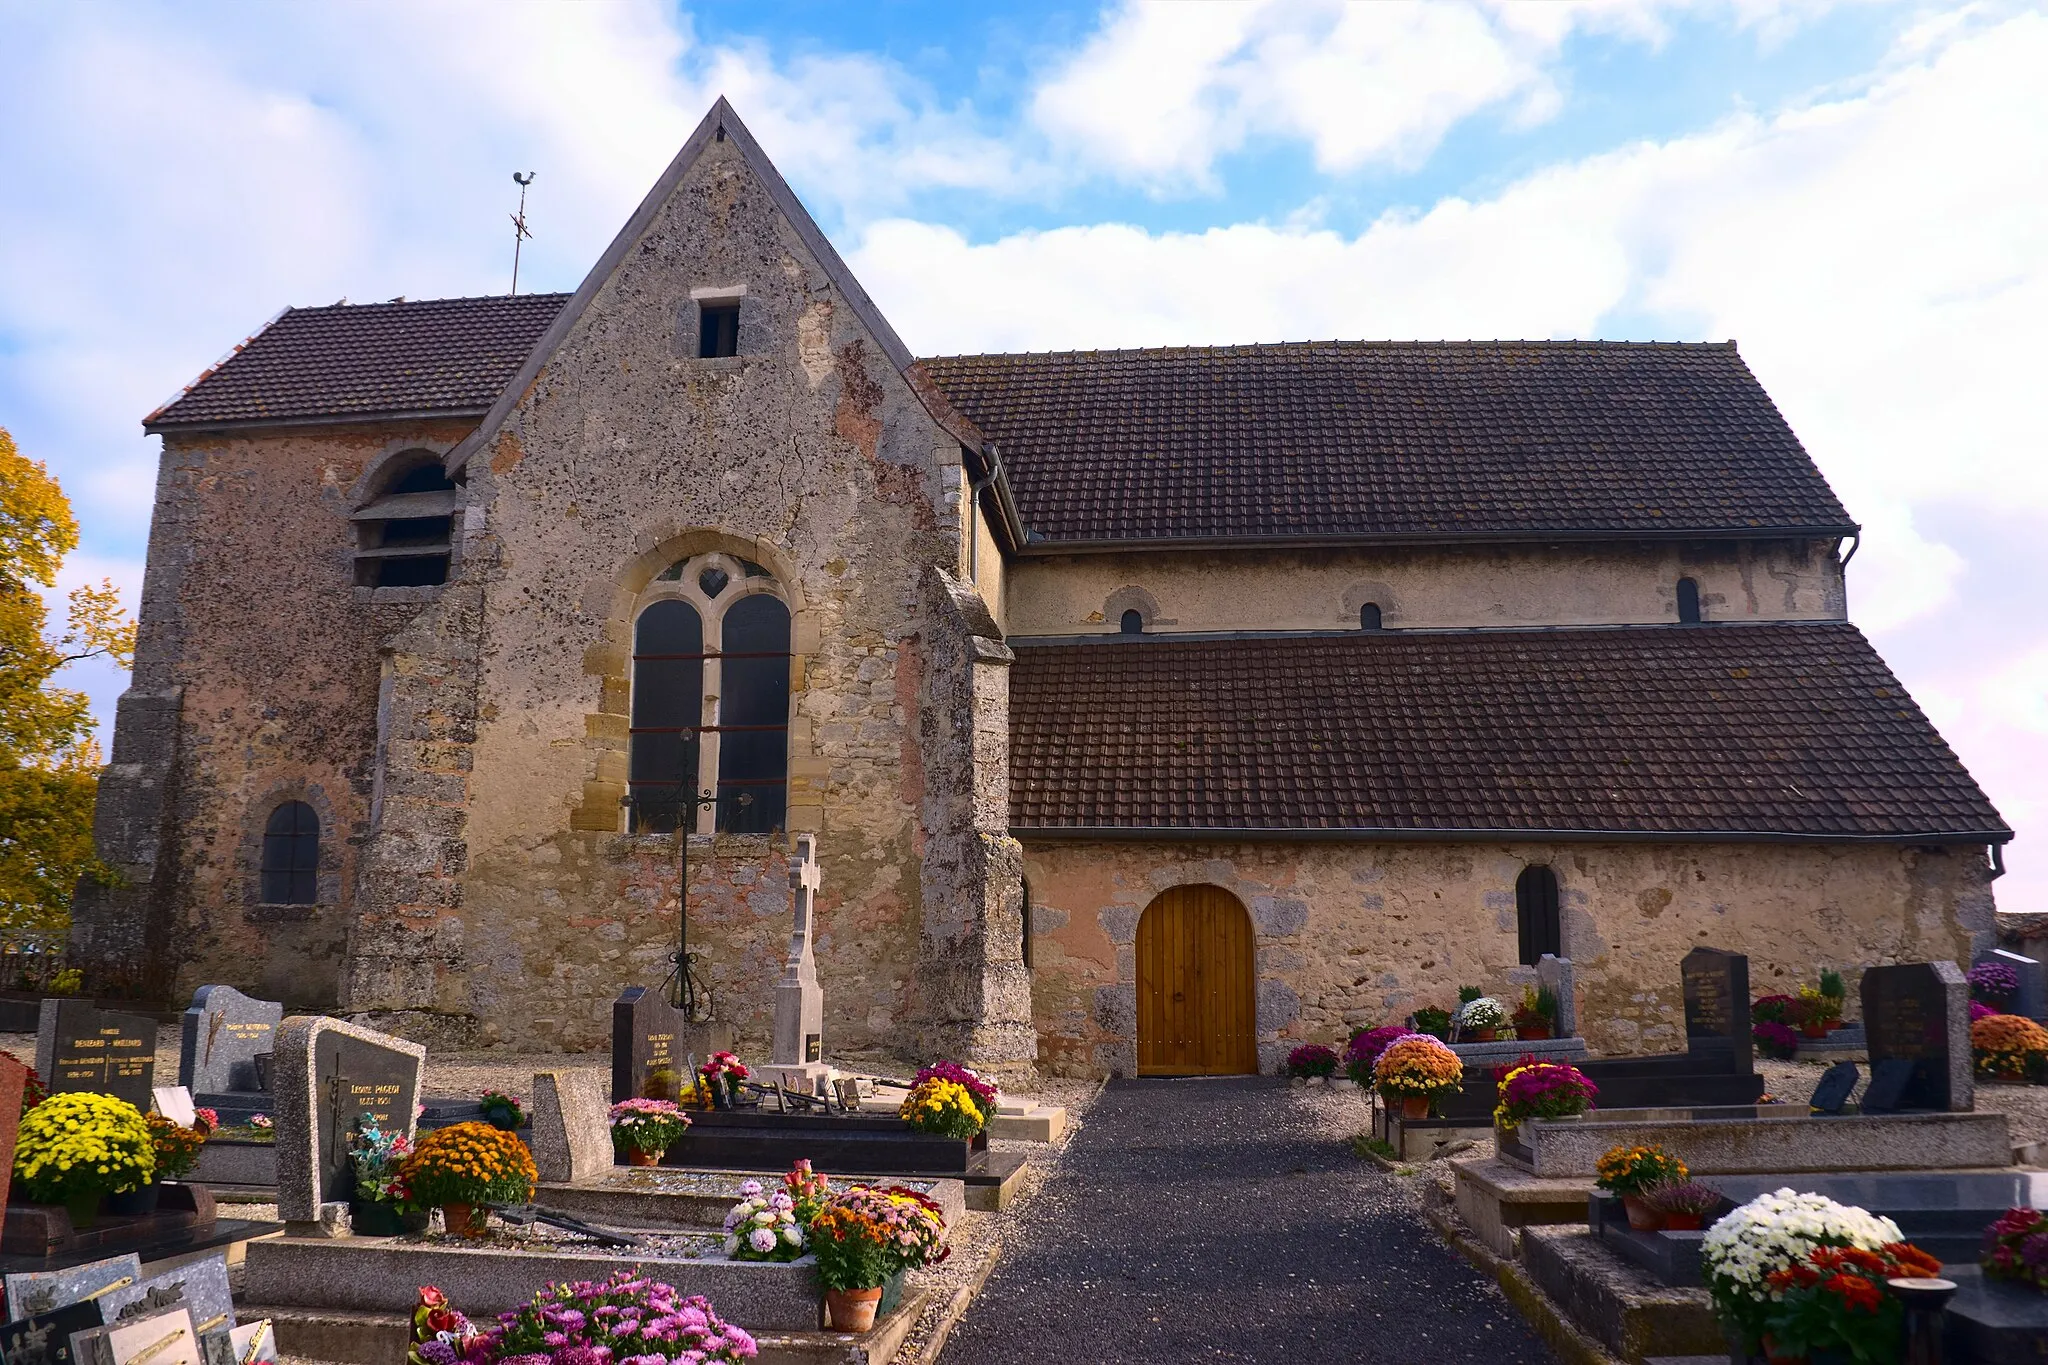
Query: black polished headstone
{"x": 1889, "y": 1080}
{"x": 352, "y": 1077}
{"x": 1918, "y": 1012}
{"x": 1837, "y": 1083}
{"x": 80, "y": 1046}
{"x": 1717, "y": 1009}
{"x": 646, "y": 1037}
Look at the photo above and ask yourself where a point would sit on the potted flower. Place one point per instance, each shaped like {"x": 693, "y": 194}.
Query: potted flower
{"x": 1536, "y": 1016}
{"x": 379, "y": 1205}
{"x": 1770, "y": 1233}
{"x": 1836, "y": 993}
{"x": 723, "y": 1074}
{"x": 864, "y": 1238}
{"x": 1479, "y": 1020}
{"x": 1631, "y": 1172}
{"x": 642, "y": 1130}
{"x": 1683, "y": 1205}
{"x": 177, "y": 1152}
{"x": 77, "y": 1148}
{"x": 1432, "y": 1021}
{"x": 942, "y": 1108}
{"x": 973, "y": 1082}
{"x": 2016, "y": 1248}
{"x": 1772, "y": 1009}
{"x": 502, "y": 1110}
{"x": 2009, "y": 1047}
{"x": 763, "y": 1226}
{"x": 1312, "y": 1062}
{"x": 1815, "y": 1010}
{"x": 1415, "y": 1070}
{"x": 1541, "y": 1090}
{"x": 1775, "y": 1039}
{"x": 1833, "y": 1306}
{"x": 463, "y": 1169}
{"x": 1994, "y": 983}
{"x": 1364, "y": 1050}
{"x": 587, "y": 1322}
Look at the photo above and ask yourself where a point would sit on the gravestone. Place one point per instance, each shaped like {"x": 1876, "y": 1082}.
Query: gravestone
{"x": 2032, "y": 1000}
{"x": 81, "y": 1047}
{"x": 328, "y": 1074}
{"x": 201, "y": 1286}
{"x": 225, "y": 1031}
{"x": 43, "y": 1291}
{"x": 1717, "y": 1009}
{"x": 572, "y": 1135}
{"x": 1554, "y": 974}
{"x": 647, "y": 1035}
{"x": 1919, "y": 1012}
{"x": 44, "y": 1338}
{"x": 1837, "y": 1083}
{"x": 13, "y": 1075}
{"x": 798, "y": 1060}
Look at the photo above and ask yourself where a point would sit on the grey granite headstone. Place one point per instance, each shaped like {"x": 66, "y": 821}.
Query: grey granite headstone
{"x": 1717, "y": 1009}
{"x": 572, "y": 1131}
{"x": 1920, "y": 1012}
{"x": 41, "y": 1291}
{"x": 224, "y": 1030}
{"x": 201, "y": 1286}
{"x": 81, "y": 1047}
{"x": 1554, "y": 973}
{"x": 328, "y": 1073}
{"x": 1837, "y": 1083}
{"x": 2032, "y": 1000}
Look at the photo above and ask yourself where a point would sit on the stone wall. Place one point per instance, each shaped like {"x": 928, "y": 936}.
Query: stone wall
{"x": 508, "y": 905}
{"x": 1356, "y": 935}
{"x": 256, "y": 681}
{"x": 1504, "y": 585}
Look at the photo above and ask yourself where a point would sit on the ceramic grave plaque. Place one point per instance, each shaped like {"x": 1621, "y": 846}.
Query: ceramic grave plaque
{"x": 44, "y": 1291}
{"x": 80, "y": 1046}
{"x": 200, "y": 1286}
{"x": 1919, "y": 1012}
{"x": 225, "y": 1031}
{"x": 1717, "y": 1009}
{"x": 646, "y": 1038}
{"x": 329, "y": 1073}
{"x": 45, "y": 1338}
{"x": 1837, "y": 1083}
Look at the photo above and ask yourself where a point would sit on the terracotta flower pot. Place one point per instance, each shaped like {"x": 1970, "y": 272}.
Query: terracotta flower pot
{"x": 636, "y": 1157}
{"x": 1641, "y": 1216}
{"x": 1533, "y": 1030}
{"x": 1483, "y": 1035}
{"x": 1814, "y": 1030}
{"x": 465, "y": 1220}
{"x": 1415, "y": 1106}
{"x": 853, "y": 1310}
{"x": 1683, "y": 1222}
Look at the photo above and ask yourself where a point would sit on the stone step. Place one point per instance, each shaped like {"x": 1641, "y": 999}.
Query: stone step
{"x": 354, "y": 1337}
{"x": 1624, "y": 1309}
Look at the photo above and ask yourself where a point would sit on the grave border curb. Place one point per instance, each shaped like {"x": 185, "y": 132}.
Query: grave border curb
{"x": 1573, "y": 1346}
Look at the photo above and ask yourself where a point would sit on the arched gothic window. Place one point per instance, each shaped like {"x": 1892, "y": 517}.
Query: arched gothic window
{"x": 1536, "y": 919}
{"x": 291, "y": 856}
{"x": 1688, "y": 602}
{"x": 711, "y": 699}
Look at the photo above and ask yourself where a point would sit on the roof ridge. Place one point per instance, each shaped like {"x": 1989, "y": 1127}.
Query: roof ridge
{"x": 1360, "y": 343}
{"x": 344, "y": 305}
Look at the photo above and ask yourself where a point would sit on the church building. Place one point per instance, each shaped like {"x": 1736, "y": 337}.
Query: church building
{"x": 1153, "y": 710}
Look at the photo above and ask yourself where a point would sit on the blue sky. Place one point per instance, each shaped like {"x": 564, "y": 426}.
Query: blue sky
{"x": 1856, "y": 191}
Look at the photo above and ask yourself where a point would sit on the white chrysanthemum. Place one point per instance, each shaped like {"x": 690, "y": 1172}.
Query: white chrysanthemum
{"x": 1773, "y": 1231}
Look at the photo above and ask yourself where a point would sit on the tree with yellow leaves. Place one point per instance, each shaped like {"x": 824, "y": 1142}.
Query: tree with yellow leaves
{"x": 49, "y": 764}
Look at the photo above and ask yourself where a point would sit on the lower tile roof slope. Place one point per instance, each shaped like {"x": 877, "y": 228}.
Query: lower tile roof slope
{"x": 1789, "y": 730}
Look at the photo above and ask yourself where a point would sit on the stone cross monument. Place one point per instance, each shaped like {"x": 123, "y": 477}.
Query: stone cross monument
{"x": 799, "y": 1059}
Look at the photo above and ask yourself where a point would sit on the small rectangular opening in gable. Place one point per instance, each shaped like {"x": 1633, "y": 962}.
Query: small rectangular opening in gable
{"x": 718, "y": 331}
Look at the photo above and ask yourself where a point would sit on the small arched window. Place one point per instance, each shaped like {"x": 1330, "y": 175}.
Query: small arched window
{"x": 1536, "y": 919}
{"x": 1688, "y": 602}
{"x": 1369, "y": 616}
{"x": 404, "y": 536}
{"x": 1133, "y": 623}
{"x": 291, "y": 856}
{"x": 725, "y": 637}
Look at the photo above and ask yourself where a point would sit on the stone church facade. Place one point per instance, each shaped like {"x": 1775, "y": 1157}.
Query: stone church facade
{"x": 1416, "y": 659}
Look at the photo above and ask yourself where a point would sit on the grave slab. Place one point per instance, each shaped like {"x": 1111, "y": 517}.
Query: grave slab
{"x": 1919, "y": 1012}
{"x": 1994, "y": 1322}
{"x": 328, "y": 1072}
{"x": 1617, "y": 1304}
{"x": 1033, "y": 1123}
{"x": 81, "y": 1047}
{"x": 1498, "y": 1200}
{"x": 1765, "y": 1138}
{"x": 656, "y": 1196}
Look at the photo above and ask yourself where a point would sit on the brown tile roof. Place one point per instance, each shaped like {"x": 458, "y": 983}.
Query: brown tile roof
{"x": 1415, "y": 439}
{"x": 1796, "y": 730}
{"x": 367, "y": 360}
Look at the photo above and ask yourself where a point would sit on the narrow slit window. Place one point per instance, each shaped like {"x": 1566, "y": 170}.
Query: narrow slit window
{"x": 1536, "y": 918}
{"x": 290, "y": 874}
{"x": 1688, "y": 602}
{"x": 718, "y": 330}
{"x": 1369, "y": 616}
{"x": 1133, "y": 623}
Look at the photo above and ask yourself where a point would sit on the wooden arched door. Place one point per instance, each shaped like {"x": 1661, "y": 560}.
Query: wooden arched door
{"x": 1197, "y": 1010}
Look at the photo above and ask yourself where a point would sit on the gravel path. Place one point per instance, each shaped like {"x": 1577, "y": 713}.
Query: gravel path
{"x": 1217, "y": 1220}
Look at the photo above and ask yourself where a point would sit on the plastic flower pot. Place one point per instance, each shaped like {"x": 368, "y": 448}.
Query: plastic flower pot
{"x": 1641, "y": 1216}
{"x": 135, "y": 1203}
{"x": 373, "y": 1218}
{"x": 636, "y": 1157}
{"x": 853, "y": 1310}
{"x": 465, "y": 1220}
{"x": 1682, "y": 1222}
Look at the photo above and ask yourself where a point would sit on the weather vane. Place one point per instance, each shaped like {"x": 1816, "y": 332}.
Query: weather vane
{"x": 519, "y": 232}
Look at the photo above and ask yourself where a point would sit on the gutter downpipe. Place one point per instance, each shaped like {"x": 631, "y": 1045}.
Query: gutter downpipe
{"x": 975, "y": 488}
